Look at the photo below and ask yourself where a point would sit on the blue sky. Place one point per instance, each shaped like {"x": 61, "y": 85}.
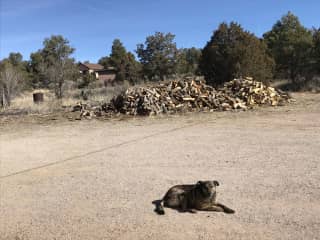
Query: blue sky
{"x": 91, "y": 25}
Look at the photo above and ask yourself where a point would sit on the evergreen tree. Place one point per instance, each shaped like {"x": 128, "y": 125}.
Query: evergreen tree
{"x": 290, "y": 44}
{"x": 158, "y": 56}
{"x": 233, "y": 52}
{"x": 124, "y": 62}
{"x": 105, "y": 62}
{"x": 188, "y": 60}
{"x": 118, "y": 59}
{"x": 53, "y": 65}
{"x": 316, "y": 50}
{"x": 36, "y": 69}
{"x": 133, "y": 69}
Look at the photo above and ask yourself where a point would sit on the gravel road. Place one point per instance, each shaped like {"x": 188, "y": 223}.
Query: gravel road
{"x": 97, "y": 179}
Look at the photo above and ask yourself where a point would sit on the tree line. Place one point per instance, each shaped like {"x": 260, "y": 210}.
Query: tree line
{"x": 289, "y": 50}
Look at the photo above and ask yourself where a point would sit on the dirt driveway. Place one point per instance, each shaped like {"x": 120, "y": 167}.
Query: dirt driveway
{"x": 97, "y": 179}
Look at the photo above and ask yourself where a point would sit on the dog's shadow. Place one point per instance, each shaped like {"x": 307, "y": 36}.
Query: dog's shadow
{"x": 157, "y": 204}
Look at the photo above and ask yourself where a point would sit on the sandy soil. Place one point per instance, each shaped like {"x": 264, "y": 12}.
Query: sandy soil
{"x": 97, "y": 179}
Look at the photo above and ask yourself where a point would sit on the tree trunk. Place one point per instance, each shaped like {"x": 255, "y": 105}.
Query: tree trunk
{"x": 161, "y": 77}
{"x": 4, "y": 98}
{"x": 2, "y": 102}
{"x": 293, "y": 76}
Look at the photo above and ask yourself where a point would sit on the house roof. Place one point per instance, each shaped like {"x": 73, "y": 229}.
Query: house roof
{"x": 108, "y": 68}
{"x": 93, "y": 66}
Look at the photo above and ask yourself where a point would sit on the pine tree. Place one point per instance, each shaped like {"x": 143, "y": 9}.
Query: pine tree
{"x": 158, "y": 56}
{"x": 233, "y": 52}
{"x": 290, "y": 44}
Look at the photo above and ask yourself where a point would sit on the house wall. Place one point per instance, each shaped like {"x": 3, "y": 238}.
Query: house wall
{"x": 106, "y": 77}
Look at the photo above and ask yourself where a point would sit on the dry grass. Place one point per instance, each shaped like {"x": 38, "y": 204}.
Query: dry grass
{"x": 23, "y": 104}
{"x": 312, "y": 85}
{"x": 96, "y": 94}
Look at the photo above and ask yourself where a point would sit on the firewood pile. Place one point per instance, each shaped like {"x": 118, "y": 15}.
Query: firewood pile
{"x": 188, "y": 95}
{"x": 254, "y": 93}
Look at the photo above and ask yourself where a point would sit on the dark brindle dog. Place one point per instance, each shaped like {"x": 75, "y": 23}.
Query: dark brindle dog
{"x": 201, "y": 196}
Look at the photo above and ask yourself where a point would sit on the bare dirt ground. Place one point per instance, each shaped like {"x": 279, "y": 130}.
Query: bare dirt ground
{"x": 97, "y": 179}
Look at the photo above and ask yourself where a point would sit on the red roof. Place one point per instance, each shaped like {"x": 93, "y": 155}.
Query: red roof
{"x": 93, "y": 66}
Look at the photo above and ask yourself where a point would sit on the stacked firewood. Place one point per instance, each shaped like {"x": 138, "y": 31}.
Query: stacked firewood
{"x": 254, "y": 92}
{"x": 189, "y": 95}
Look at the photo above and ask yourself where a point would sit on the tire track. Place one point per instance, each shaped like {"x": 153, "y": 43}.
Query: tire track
{"x": 78, "y": 157}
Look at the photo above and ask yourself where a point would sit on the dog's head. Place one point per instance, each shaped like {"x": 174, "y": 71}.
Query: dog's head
{"x": 207, "y": 188}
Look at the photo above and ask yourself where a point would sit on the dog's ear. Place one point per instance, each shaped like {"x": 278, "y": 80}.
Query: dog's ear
{"x": 199, "y": 183}
{"x": 216, "y": 183}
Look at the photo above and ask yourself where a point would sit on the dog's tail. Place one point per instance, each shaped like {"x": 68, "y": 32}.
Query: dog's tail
{"x": 159, "y": 207}
{"x": 226, "y": 209}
